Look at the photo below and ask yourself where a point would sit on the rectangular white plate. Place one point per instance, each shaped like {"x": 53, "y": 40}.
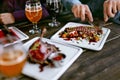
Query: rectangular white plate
{"x": 32, "y": 70}
{"x": 22, "y": 36}
{"x": 84, "y": 43}
{"x": 18, "y": 33}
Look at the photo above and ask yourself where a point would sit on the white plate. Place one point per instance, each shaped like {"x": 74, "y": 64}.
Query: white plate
{"x": 32, "y": 70}
{"x": 84, "y": 43}
{"x": 18, "y": 33}
{"x": 22, "y": 36}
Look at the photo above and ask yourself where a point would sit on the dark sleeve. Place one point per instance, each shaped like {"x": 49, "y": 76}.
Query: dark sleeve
{"x": 13, "y": 7}
{"x": 69, "y": 3}
{"x": 44, "y": 11}
{"x": 116, "y": 19}
{"x": 19, "y": 15}
{"x": 96, "y": 7}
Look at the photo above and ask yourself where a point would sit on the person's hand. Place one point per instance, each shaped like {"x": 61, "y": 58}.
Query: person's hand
{"x": 111, "y": 7}
{"x": 7, "y": 18}
{"x": 82, "y": 11}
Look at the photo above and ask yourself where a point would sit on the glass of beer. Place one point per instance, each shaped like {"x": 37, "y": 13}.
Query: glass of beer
{"x": 33, "y": 11}
{"x": 12, "y": 58}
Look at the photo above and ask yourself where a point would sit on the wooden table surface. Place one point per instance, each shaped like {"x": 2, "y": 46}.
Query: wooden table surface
{"x": 90, "y": 65}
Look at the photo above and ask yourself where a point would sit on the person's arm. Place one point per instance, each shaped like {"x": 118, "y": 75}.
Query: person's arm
{"x": 69, "y": 3}
{"x": 111, "y": 7}
{"x": 79, "y": 10}
{"x": 95, "y": 5}
{"x": 19, "y": 15}
{"x": 44, "y": 12}
{"x": 6, "y": 18}
{"x": 10, "y": 6}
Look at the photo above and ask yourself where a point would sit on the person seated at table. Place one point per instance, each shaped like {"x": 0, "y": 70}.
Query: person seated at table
{"x": 14, "y": 11}
{"x": 89, "y": 8}
{"x": 5, "y": 18}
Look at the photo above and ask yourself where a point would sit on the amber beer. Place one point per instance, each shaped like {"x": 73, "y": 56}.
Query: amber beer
{"x": 11, "y": 65}
{"x": 34, "y": 15}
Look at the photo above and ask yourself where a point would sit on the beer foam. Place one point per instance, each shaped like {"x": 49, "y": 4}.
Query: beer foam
{"x": 34, "y": 10}
{"x": 8, "y": 59}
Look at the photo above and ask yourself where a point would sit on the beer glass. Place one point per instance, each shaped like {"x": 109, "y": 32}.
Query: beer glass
{"x": 12, "y": 58}
{"x": 33, "y": 11}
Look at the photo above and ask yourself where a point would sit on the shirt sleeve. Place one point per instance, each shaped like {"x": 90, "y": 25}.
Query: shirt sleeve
{"x": 10, "y": 6}
{"x": 69, "y": 3}
{"x": 19, "y": 15}
{"x": 116, "y": 19}
{"x": 95, "y": 6}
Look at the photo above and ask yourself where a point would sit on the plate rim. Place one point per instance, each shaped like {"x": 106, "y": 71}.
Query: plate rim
{"x": 20, "y": 33}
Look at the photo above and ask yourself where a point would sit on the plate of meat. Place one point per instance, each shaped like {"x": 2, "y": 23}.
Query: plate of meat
{"x": 48, "y": 60}
{"x": 15, "y": 32}
{"x": 82, "y": 35}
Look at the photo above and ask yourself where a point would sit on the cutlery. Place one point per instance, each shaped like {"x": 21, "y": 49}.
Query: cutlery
{"x": 100, "y": 25}
{"x": 94, "y": 24}
{"x": 8, "y": 33}
{"x": 107, "y": 24}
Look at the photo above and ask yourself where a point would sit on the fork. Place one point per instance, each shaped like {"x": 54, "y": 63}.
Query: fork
{"x": 101, "y": 25}
{"x": 94, "y": 24}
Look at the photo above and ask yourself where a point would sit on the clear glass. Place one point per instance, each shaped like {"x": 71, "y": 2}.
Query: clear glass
{"x": 12, "y": 58}
{"x": 54, "y": 8}
{"x": 33, "y": 11}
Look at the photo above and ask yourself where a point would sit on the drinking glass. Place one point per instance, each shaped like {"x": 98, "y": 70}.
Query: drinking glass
{"x": 12, "y": 58}
{"x": 54, "y": 8}
{"x": 33, "y": 11}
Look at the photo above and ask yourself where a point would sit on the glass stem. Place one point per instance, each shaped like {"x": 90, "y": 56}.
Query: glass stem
{"x": 54, "y": 19}
{"x": 7, "y": 78}
{"x": 35, "y": 26}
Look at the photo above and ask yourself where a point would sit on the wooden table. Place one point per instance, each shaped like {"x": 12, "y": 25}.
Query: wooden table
{"x": 90, "y": 65}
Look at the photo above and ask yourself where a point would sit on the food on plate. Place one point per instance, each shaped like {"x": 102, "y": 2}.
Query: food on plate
{"x": 89, "y": 33}
{"x": 3, "y": 34}
{"x": 44, "y": 54}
